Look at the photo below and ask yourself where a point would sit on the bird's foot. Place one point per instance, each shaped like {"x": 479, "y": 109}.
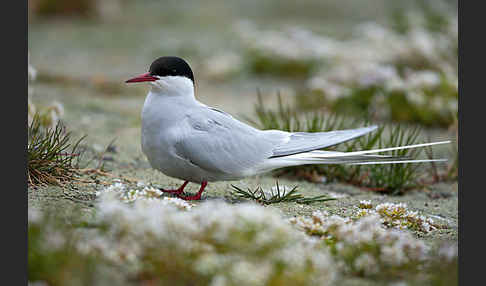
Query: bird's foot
{"x": 195, "y": 197}
{"x": 177, "y": 192}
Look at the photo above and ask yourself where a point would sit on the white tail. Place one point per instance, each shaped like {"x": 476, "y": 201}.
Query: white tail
{"x": 351, "y": 158}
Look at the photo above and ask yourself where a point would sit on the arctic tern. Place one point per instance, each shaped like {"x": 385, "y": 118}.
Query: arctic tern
{"x": 186, "y": 139}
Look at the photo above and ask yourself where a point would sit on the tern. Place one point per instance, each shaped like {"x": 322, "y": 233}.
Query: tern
{"x": 186, "y": 139}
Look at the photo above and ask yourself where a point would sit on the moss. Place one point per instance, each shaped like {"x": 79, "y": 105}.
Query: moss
{"x": 360, "y": 102}
{"x": 402, "y": 110}
{"x": 273, "y": 65}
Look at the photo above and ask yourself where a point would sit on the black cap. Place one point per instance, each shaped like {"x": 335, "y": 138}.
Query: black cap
{"x": 171, "y": 66}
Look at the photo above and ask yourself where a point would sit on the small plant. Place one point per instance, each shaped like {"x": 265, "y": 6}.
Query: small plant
{"x": 51, "y": 156}
{"x": 395, "y": 177}
{"x": 388, "y": 178}
{"x": 396, "y": 216}
{"x": 277, "y": 196}
{"x": 363, "y": 247}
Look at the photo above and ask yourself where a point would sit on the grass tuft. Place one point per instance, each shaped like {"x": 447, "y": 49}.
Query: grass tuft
{"x": 395, "y": 178}
{"x": 288, "y": 119}
{"x": 52, "y": 158}
{"x": 277, "y": 196}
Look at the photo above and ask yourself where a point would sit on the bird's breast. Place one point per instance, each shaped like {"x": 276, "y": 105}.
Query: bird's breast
{"x": 162, "y": 119}
{"x": 156, "y": 124}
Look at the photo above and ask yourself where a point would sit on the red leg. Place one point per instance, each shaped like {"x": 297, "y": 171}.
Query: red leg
{"x": 179, "y": 191}
{"x": 197, "y": 196}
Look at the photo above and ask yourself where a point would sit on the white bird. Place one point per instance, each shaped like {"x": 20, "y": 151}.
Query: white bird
{"x": 186, "y": 139}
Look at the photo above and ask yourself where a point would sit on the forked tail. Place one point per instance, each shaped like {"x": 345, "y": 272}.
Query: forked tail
{"x": 365, "y": 157}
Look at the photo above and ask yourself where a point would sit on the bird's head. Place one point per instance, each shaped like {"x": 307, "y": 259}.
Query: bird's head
{"x": 169, "y": 75}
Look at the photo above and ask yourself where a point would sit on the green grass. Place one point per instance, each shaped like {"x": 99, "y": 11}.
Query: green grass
{"x": 387, "y": 178}
{"x": 262, "y": 64}
{"x": 288, "y": 119}
{"x": 277, "y": 196}
{"x": 52, "y": 157}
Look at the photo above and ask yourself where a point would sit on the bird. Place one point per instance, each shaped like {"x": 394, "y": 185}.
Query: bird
{"x": 185, "y": 139}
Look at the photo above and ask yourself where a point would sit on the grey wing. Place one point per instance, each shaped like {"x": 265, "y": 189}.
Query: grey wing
{"x": 303, "y": 142}
{"x": 217, "y": 142}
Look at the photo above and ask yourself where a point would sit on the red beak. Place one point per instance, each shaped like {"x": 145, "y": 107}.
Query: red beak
{"x": 142, "y": 78}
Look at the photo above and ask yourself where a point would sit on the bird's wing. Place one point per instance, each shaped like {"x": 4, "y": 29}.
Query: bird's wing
{"x": 300, "y": 142}
{"x": 217, "y": 142}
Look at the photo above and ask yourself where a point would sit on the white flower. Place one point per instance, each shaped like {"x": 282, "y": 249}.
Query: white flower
{"x": 448, "y": 252}
{"x": 54, "y": 240}
{"x": 32, "y": 72}
{"x": 423, "y": 79}
{"x": 34, "y": 215}
{"x": 416, "y": 97}
{"x": 365, "y": 204}
{"x": 231, "y": 242}
{"x": 367, "y": 263}
{"x": 223, "y": 64}
{"x": 57, "y": 108}
{"x": 423, "y": 42}
{"x": 331, "y": 90}
{"x": 287, "y": 43}
{"x": 31, "y": 110}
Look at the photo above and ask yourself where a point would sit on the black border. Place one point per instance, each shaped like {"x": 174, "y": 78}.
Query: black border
{"x": 14, "y": 31}
{"x": 471, "y": 86}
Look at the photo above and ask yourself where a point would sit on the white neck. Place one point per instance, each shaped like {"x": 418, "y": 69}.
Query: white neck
{"x": 173, "y": 86}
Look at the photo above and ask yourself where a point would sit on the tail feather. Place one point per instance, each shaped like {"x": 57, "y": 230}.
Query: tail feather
{"x": 400, "y": 161}
{"x": 365, "y": 157}
{"x": 300, "y": 142}
{"x": 345, "y": 154}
